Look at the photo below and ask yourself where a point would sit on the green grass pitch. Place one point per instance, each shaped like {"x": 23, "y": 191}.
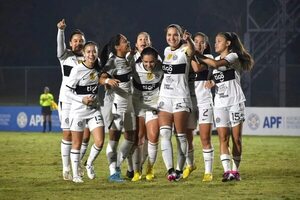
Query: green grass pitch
{"x": 30, "y": 168}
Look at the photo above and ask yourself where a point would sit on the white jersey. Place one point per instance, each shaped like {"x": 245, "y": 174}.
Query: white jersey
{"x": 176, "y": 70}
{"x": 121, "y": 69}
{"x": 227, "y": 78}
{"x": 203, "y": 95}
{"x": 146, "y": 85}
{"x": 83, "y": 81}
{"x": 68, "y": 60}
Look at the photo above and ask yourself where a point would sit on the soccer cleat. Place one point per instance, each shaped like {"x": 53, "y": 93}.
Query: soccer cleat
{"x": 171, "y": 175}
{"x": 188, "y": 170}
{"x": 77, "y": 179}
{"x": 115, "y": 178}
{"x": 90, "y": 171}
{"x": 236, "y": 175}
{"x": 130, "y": 174}
{"x": 150, "y": 173}
{"x": 207, "y": 177}
{"x": 67, "y": 176}
{"x": 137, "y": 176}
{"x": 178, "y": 175}
{"x": 227, "y": 176}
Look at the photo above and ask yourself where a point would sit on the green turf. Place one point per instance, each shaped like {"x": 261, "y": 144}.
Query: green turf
{"x": 30, "y": 168}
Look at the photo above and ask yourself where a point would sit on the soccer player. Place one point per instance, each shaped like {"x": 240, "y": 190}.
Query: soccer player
{"x": 119, "y": 67}
{"x": 229, "y": 102}
{"x": 174, "y": 102}
{"x": 204, "y": 102}
{"x": 147, "y": 76}
{"x": 68, "y": 58}
{"x": 139, "y": 152}
{"x": 83, "y": 88}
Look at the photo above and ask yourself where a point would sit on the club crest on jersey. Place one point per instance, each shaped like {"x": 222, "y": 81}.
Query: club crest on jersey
{"x": 93, "y": 76}
{"x": 175, "y": 57}
{"x": 150, "y": 76}
{"x": 169, "y": 56}
{"x": 80, "y": 124}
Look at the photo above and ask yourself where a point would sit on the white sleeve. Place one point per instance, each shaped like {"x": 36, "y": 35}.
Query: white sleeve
{"x": 61, "y": 46}
{"x": 71, "y": 85}
{"x": 231, "y": 58}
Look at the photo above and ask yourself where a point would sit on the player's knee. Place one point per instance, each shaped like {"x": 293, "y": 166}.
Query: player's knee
{"x": 165, "y": 132}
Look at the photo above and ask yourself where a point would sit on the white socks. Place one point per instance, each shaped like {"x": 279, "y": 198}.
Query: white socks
{"x": 111, "y": 154}
{"x": 208, "y": 157}
{"x": 65, "y": 148}
{"x": 236, "y": 163}
{"x": 166, "y": 146}
{"x": 182, "y": 147}
{"x": 93, "y": 154}
{"x": 75, "y": 154}
{"x": 83, "y": 149}
{"x": 124, "y": 151}
{"x": 225, "y": 159}
{"x": 152, "y": 152}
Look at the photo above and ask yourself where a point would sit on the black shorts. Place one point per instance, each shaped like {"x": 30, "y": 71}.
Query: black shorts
{"x": 46, "y": 110}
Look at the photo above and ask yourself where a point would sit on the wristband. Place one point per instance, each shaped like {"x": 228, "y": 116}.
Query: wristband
{"x": 106, "y": 80}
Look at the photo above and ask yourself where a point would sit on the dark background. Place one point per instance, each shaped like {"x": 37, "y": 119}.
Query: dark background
{"x": 28, "y": 37}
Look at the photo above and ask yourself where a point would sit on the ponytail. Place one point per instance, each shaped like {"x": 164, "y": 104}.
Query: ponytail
{"x": 236, "y": 46}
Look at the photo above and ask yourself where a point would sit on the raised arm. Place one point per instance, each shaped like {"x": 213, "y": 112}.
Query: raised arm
{"x": 190, "y": 43}
{"x": 61, "y": 45}
{"x": 212, "y": 62}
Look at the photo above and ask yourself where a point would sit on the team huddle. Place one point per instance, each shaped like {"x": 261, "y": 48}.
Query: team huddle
{"x": 148, "y": 98}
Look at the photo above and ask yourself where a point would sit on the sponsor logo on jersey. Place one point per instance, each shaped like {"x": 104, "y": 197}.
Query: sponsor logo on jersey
{"x": 219, "y": 77}
{"x": 167, "y": 68}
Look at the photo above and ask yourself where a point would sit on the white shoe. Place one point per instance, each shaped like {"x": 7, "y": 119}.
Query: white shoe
{"x": 67, "y": 176}
{"x": 77, "y": 179}
{"x": 90, "y": 171}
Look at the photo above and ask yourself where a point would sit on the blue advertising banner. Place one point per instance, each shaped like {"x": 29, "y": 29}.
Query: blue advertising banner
{"x": 25, "y": 118}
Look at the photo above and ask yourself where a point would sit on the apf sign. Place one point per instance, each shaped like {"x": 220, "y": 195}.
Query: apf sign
{"x": 272, "y": 121}
{"x": 25, "y": 118}
{"x": 36, "y": 120}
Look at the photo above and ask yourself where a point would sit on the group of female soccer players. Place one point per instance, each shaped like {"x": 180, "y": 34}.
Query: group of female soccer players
{"x": 148, "y": 97}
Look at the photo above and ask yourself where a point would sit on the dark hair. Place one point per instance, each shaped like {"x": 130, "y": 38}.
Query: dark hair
{"x": 178, "y": 27}
{"x": 90, "y": 43}
{"x": 207, "y": 50}
{"x": 77, "y": 31}
{"x": 114, "y": 41}
{"x": 149, "y": 51}
{"x": 237, "y": 47}
{"x": 97, "y": 64}
{"x": 110, "y": 48}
